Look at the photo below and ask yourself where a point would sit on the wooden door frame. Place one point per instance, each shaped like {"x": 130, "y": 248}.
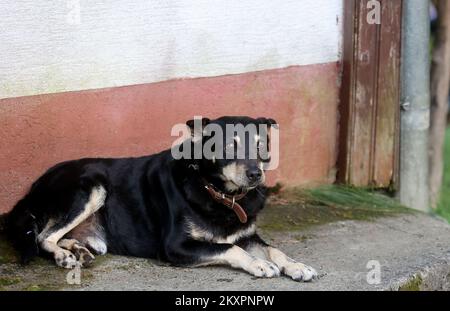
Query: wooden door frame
{"x": 370, "y": 95}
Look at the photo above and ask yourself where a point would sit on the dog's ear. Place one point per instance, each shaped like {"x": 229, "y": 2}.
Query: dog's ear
{"x": 197, "y": 124}
{"x": 267, "y": 121}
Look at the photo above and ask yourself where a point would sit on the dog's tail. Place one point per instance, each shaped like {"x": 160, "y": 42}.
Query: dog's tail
{"x": 21, "y": 229}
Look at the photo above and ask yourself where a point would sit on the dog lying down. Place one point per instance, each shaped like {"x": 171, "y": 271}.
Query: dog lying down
{"x": 188, "y": 211}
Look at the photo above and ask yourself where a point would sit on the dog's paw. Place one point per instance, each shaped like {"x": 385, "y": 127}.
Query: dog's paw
{"x": 83, "y": 255}
{"x": 300, "y": 272}
{"x": 262, "y": 268}
{"x": 65, "y": 259}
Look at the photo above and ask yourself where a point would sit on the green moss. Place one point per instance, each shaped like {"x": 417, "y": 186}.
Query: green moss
{"x": 101, "y": 259}
{"x": 33, "y": 288}
{"x": 30, "y": 278}
{"x": 297, "y": 209}
{"x": 443, "y": 208}
{"x": 127, "y": 267}
{"x": 412, "y": 285}
{"x": 7, "y": 281}
{"x": 40, "y": 287}
{"x": 7, "y": 252}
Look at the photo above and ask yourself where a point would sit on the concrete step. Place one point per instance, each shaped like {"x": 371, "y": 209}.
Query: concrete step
{"x": 412, "y": 252}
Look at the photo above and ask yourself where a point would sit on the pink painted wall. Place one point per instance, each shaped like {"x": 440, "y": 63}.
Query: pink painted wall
{"x": 39, "y": 131}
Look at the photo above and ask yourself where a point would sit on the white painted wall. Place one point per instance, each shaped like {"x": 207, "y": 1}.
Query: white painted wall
{"x": 117, "y": 42}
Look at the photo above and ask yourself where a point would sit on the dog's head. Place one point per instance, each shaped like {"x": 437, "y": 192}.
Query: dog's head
{"x": 234, "y": 150}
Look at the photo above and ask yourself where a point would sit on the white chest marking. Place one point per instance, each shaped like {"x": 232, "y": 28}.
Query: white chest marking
{"x": 198, "y": 233}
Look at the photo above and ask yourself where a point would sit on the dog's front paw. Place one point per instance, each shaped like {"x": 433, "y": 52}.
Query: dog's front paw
{"x": 262, "y": 268}
{"x": 300, "y": 272}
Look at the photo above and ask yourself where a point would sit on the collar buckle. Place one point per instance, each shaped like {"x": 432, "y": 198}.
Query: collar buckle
{"x": 234, "y": 202}
{"x": 228, "y": 201}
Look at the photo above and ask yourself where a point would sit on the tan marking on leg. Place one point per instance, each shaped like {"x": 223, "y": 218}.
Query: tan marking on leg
{"x": 236, "y": 257}
{"x": 49, "y": 240}
{"x": 198, "y": 233}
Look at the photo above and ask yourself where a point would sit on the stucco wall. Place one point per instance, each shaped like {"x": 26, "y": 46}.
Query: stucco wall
{"x": 110, "y": 85}
{"x": 44, "y": 50}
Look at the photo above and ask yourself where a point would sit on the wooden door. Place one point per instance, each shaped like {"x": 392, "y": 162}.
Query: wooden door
{"x": 370, "y": 94}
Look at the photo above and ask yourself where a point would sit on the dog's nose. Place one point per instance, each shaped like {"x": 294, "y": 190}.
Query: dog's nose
{"x": 254, "y": 174}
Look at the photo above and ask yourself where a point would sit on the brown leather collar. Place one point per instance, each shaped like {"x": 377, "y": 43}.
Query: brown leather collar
{"x": 229, "y": 201}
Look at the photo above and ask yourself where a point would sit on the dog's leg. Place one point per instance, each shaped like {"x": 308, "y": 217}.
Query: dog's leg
{"x": 288, "y": 266}
{"x": 83, "y": 255}
{"x": 198, "y": 253}
{"x": 96, "y": 244}
{"x": 237, "y": 257}
{"x": 48, "y": 239}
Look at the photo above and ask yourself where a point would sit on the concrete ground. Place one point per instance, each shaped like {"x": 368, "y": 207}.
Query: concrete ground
{"x": 412, "y": 250}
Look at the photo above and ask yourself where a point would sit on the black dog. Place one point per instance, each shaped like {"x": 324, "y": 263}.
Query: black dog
{"x": 189, "y": 212}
